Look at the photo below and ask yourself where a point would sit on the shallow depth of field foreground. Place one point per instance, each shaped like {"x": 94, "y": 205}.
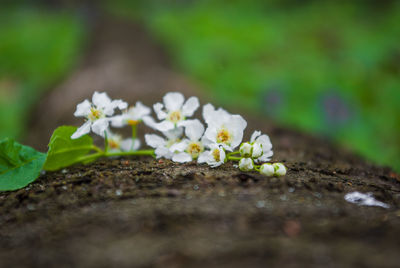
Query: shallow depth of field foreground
{"x": 336, "y": 206}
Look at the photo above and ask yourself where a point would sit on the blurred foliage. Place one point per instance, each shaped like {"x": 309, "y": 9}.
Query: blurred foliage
{"x": 327, "y": 67}
{"x": 37, "y": 48}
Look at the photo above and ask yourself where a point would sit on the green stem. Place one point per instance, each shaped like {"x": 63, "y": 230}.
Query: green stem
{"x": 97, "y": 149}
{"x": 105, "y": 142}
{"x": 232, "y": 153}
{"x": 134, "y": 133}
{"x": 140, "y": 152}
{"x": 233, "y": 158}
{"x": 95, "y": 156}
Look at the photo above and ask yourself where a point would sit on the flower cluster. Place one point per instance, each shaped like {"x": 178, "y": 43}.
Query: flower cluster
{"x": 182, "y": 139}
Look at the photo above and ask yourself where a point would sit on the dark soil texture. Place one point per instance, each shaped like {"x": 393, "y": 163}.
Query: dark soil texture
{"x": 142, "y": 212}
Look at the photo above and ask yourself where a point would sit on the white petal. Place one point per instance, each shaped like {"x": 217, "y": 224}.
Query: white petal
{"x": 120, "y": 104}
{"x": 181, "y": 157}
{"x": 211, "y": 134}
{"x": 139, "y": 111}
{"x": 194, "y": 129}
{"x": 163, "y": 152}
{"x": 206, "y": 142}
{"x": 126, "y": 145}
{"x": 100, "y": 126}
{"x": 118, "y": 121}
{"x": 236, "y": 126}
{"x": 101, "y": 100}
{"x": 265, "y": 141}
{"x": 222, "y": 155}
{"x": 180, "y": 146}
{"x": 158, "y": 108}
{"x": 190, "y": 106}
{"x": 149, "y": 121}
{"x": 164, "y": 126}
{"x": 174, "y": 134}
{"x": 136, "y": 144}
{"x": 255, "y": 135}
{"x": 83, "y": 109}
{"x": 203, "y": 157}
{"x": 154, "y": 140}
{"x": 83, "y": 130}
{"x": 109, "y": 109}
{"x": 208, "y": 112}
{"x": 173, "y": 101}
{"x": 265, "y": 157}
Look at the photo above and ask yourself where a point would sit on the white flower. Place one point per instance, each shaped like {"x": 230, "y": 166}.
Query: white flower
{"x": 161, "y": 145}
{"x": 246, "y": 149}
{"x": 191, "y": 148}
{"x": 262, "y": 147}
{"x": 214, "y": 157}
{"x": 116, "y": 143}
{"x": 280, "y": 169}
{"x": 223, "y": 128}
{"x": 174, "y": 111}
{"x": 96, "y": 114}
{"x": 132, "y": 116}
{"x": 246, "y": 164}
{"x": 267, "y": 169}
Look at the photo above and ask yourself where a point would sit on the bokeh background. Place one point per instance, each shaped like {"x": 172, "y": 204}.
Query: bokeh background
{"x": 329, "y": 68}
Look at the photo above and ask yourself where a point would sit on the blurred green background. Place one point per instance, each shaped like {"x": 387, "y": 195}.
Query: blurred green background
{"x": 329, "y": 68}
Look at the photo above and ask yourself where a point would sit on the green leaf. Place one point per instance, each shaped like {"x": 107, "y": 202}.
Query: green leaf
{"x": 19, "y": 165}
{"x": 64, "y": 151}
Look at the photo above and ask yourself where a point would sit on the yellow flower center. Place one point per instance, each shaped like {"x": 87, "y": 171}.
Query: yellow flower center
{"x": 194, "y": 149}
{"x": 133, "y": 122}
{"x": 175, "y": 116}
{"x": 223, "y": 136}
{"x": 216, "y": 155}
{"x": 95, "y": 114}
{"x": 113, "y": 144}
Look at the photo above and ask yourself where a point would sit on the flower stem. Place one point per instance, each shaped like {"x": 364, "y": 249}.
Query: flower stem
{"x": 97, "y": 149}
{"x": 232, "y": 153}
{"x": 233, "y": 158}
{"x": 133, "y": 153}
{"x": 105, "y": 142}
{"x": 134, "y": 132}
{"x": 92, "y": 157}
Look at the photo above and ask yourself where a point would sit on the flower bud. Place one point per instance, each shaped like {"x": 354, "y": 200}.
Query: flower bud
{"x": 280, "y": 169}
{"x": 267, "y": 169}
{"x": 246, "y": 164}
{"x": 257, "y": 150}
{"x": 245, "y": 149}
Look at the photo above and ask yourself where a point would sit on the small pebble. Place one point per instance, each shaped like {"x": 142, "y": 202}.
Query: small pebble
{"x": 118, "y": 192}
{"x": 260, "y": 204}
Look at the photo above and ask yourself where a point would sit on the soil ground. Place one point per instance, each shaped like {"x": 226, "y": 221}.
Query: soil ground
{"x": 141, "y": 212}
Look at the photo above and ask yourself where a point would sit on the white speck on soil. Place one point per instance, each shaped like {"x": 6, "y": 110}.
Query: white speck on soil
{"x": 260, "y": 204}
{"x": 364, "y": 199}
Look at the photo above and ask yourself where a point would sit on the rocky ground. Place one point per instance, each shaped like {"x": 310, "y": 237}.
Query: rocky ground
{"x": 141, "y": 212}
